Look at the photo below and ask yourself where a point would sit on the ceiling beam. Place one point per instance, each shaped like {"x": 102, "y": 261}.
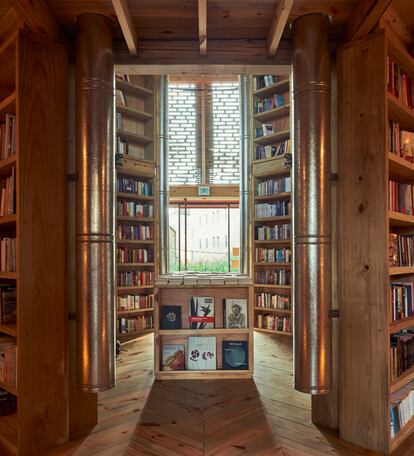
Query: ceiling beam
{"x": 279, "y": 21}
{"x": 202, "y": 26}
{"x": 364, "y": 17}
{"x": 38, "y": 17}
{"x": 127, "y": 26}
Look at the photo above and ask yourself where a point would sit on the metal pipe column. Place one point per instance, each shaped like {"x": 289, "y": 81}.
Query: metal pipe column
{"x": 245, "y": 148}
{"x": 163, "y": 168}
{"x": 95, "y": 200}
{"x": 311, "y": 203}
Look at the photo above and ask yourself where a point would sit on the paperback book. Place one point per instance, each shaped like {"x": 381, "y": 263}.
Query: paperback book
{"x": 171, "y": 317}
{"x": 235, "y": 355}
{"x": 173, "y": 358}
{"x": 202, "y": 353}
{"x": 201, "y": 311}
{"x": 235, "y": 313}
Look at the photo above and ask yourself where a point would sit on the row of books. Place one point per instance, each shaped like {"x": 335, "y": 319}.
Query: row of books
{"x": 264, "y": 81}
{"x": 268, "y": 103}
{"x": 274, "y": 323}
{"x": 272, "y": 186}
{"x": 401, "y": 249}
{"x": 400, "y": 142}
{"x": 8, "y": 137}
{"x": 400, "y": 197}
{"x": 263, "y": 130}
{"x": 402, "y": 301}
{"x": 134, "y": 186}
{"x": 7, "y": 304}
{"x": 8, "y": 254}
{"x": 273, "y": 277}
{"x": 273, "y": 233}
{"x": 402, "y": 408}
{"x": 278, "y": 150}
{"x": 134, "y": 209}
{"x": 8, "y": 357}
{"x": 276, "y": 209}
{"x": 400, "y": 84}
{"x": 7, "y": 202}
{"x": 134, "y": 255}
{"x": 201, "y": 314}
{"x": 402, "y": 352}
{"x": 202, "y": 355}
{"x": 135, "y": 232}
{"x": 273, "y": 301}
{"x": 135, "y": 302}
{"x": 135, "y": 278}
{"x": 273, "y": 255}
{"x": 136, "y": 324}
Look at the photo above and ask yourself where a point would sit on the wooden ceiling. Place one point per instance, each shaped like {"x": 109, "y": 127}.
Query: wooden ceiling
{"x": 211, "y": 31}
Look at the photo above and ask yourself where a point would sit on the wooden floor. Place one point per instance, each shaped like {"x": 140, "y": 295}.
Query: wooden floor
{"x": 210, "y": 417}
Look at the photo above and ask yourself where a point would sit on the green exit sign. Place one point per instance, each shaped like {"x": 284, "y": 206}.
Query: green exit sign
{"x": 203, "y": 190}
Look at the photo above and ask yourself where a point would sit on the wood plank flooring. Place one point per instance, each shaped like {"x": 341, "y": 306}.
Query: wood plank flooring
{"x": 260, "y": 417}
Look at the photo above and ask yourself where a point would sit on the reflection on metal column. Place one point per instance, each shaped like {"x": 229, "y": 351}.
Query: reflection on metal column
{"x": 95, "y": 212}
{"x": 311, "y": 203}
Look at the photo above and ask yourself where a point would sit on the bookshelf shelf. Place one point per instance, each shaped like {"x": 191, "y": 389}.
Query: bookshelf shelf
{"x": 8, "y": 220}
{"x": 133, "y": 241}
{"x": 278, "y": 87}
{"x": 135, "y": 113}
{"x": 404, "y": 323}
{"x": 135, "y": 288}
{"x": 270, "y": 309}
{"x": 135, "y": 197}
{"x": 134, "y": 265}
{"x": 272, "y": 114}
{"x": 202, "y": 332}
{"x": 401, "y": 270}
{"x": 122, "y": 218}
{"x": 273, "y": 138}
{"x": 130, "y": 337}
{"x": 397, "y": 219}
{"x": 9, "y": 275}
{"x": 399, "y": 112}
{"x": 134, "y": 137}
{"x": 10, "y": 388}
{"x": 8, "y": 105}
{"x": 274, "y": 264}
{"x": 7, "y": 165}
{"x": 134, "y": 89}
{"x": 9, "y": 329}
{"x": 275, "y": 242}
{"x": 402, "y": 380}
{"x": 135, "y": 311}
{"x": 200, "y": 375}
{"x": 281, "y": 287}
{"x": 276, "y": 196}
{"x": 273, "y": 331}
{"x": 399, "y": 168}
{"x": 282, "y": 218}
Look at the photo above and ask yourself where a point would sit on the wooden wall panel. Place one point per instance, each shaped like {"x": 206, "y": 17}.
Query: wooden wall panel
{"x": 363, "y": 232}
{"x": 41, "y": 211}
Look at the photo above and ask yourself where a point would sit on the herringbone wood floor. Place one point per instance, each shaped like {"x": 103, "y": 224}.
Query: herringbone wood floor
{"x": 222, "y": 418}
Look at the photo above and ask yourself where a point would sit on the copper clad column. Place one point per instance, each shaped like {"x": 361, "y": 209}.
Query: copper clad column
{"x": 95, "y": 200}
{"x": 311, "y": 203}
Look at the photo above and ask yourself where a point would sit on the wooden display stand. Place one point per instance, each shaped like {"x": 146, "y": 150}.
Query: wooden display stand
{"x": 179, "y": 295}
{"x": 33, "y": 86}
{"x": 137, "y": 128}
{"x": 262, "y": 170}
{"x": 365, "y": 167}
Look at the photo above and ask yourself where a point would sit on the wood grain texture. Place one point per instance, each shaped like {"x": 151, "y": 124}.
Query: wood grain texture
{"x": 363, "y": 239}
{"x": 279, "y": 22}
{"x": 126, "y": 24}
{"x": 202, "y": 26}
{"x": 143, "y": 418}
{"x": 41, "y": 250}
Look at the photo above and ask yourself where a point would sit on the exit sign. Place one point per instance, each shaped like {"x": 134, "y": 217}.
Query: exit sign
{"x": 203, "y": 190}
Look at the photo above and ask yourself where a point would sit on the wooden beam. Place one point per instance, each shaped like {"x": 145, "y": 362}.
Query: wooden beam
{"x": 364, "y": 17}
{"x": 394, "y": 23}
{"x": 279, "y": 21}
{"x": 202, "y": 26}
{"x": 38, "y": 17}
{"x": 126, "y": 24}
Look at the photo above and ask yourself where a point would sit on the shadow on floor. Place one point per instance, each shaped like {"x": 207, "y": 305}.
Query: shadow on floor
{"x": 203, "y": 417}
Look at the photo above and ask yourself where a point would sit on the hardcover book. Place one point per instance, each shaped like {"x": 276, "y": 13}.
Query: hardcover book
{"x": 202, "y": 353}
{"x": 235, "y": 355}
{"x": 201, "y": 310}
{"x": 170, "y": 317}
{"x": 235, "y": 313}
{"x": 407, "y": 145}
{"x": 173, "y": 358}
{"x": 393, "y": 250}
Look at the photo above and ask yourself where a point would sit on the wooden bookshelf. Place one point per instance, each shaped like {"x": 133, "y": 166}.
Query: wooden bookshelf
{"x": 33, "y": 87}
{"x": 273, "y": 331}
{"x": 365, "y": 167}
{"x": 136, "y": 125}
{"x": 269, "y": 169}
{"x": 179, "y": 295}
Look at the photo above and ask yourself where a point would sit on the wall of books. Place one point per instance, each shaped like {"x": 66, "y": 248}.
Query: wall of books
{"x": 272, "y": 205}
{"x": 203, "y": 331}
{"x": 135, "y": 253}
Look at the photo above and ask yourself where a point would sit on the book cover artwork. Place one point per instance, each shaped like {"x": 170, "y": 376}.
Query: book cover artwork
{"x": 235, "y": 313}
{"x": 173, "y": 358}
{"x": 201, "y": 311}
{"x": 202, "y": 353}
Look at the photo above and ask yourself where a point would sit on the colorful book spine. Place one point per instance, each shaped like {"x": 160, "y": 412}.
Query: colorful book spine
{"x": 273, "y": 301}
{"x": 135, "y": 232}
{"x": 134, "y": 302}
{"x": 127, "y": 254}
{"x": 273, "y": 277}
{"x": 273, "y": 186}
{"x": 135, "y": 278}
{"x": 134, "y": 209}
{"x": 273, "y": 255}
{"x": 277, "y": 209}
{"x": 273, "y": 233}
